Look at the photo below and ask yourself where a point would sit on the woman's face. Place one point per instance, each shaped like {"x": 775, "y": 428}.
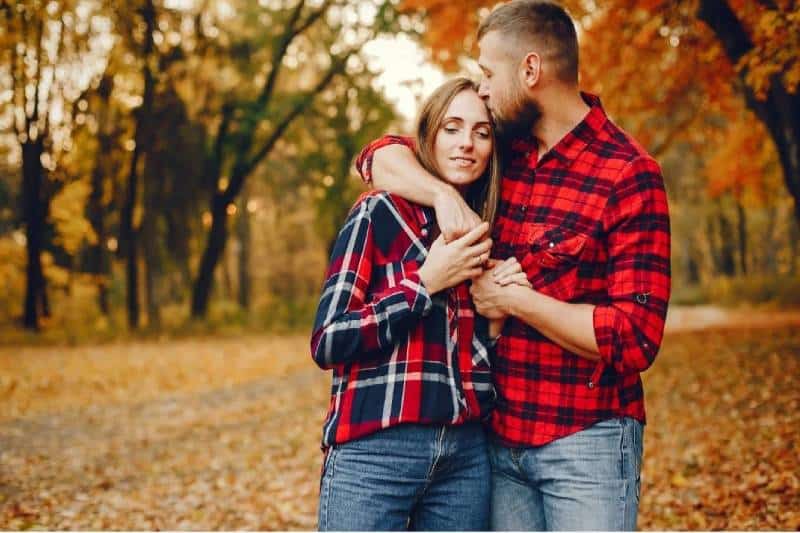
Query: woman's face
{"x": 463, "y": 144}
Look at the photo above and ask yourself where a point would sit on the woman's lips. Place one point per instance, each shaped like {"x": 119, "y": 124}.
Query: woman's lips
{"x": 463, "y": 161}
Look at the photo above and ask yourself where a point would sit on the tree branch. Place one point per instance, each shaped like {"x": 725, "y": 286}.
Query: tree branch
{"x": 59, "y": 47}
{"x": 280, "y": 51}
{"x": 38, "y": 80}
{"x": 244, "y": 168}
{"x": 13, "y": 71}
{"x": 719, "y": 16}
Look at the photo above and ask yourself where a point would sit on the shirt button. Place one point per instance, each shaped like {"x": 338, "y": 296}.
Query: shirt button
{"x": 552, "y": 244}
{"x": 424, "y": 232}
{"x": 523, "y": 208}
{"x": 591, "y": 384}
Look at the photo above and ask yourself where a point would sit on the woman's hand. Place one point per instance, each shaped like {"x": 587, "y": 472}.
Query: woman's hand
{"x": 448, "y": 264}
{"x": 508, "y": 272}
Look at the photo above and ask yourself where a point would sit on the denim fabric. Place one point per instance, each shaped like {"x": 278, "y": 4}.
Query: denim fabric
{"x": 586, "y": 481}
{"x": 410, "y": 476}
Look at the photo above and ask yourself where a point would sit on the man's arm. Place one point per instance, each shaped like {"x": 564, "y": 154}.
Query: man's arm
{"x": 389, "y": 163}
{"x": 570, "y": 325}
{"x": 626, "y": 333}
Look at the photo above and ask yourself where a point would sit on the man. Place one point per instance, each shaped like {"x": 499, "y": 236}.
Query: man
{"x": 583, "y": 208}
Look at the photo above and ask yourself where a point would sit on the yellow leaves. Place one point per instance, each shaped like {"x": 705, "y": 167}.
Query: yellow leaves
{"x": 67, "y": 215}
{"x": 678, "y": 480}
{"x": 776, "y": 38}
{"x": 719, "y": 452}
{"x": 648, "y": 32}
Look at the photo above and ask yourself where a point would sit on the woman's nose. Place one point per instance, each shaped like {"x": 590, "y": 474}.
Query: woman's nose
{"x": 466, "y": 140}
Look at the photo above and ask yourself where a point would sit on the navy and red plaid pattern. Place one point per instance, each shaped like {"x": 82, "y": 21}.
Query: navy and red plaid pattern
{"x": 398, "y": 355}
{"x": 589, "y": 223}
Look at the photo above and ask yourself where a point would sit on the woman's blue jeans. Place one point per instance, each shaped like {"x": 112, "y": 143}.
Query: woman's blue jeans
{"x": 586, "y": 481}
{"x": 408, "y": 477}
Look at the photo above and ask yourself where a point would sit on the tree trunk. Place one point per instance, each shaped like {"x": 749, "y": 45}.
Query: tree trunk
{"x": 151, "y": 280}
{"x": 142, "y": 137}
{"x": 741, "y": 228}
{"x": 690, "y": 262}
{"x": 794, "y": 245}
{"x": 152, "y": 263}
{"x": 779, "y": 111}
{"x": 34, "y": 219}
{"x": 215, "y": 246}
{"x": 727, "y": 254}
{"x": 711, "y": 237}
{"x": 99, "y": 263}
{"x": 243, "y": 234}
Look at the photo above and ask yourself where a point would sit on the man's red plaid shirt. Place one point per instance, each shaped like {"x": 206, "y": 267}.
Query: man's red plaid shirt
{"x": 589, "y": 224}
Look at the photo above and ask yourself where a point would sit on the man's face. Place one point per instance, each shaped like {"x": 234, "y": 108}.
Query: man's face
{"x": 501, "y": 86}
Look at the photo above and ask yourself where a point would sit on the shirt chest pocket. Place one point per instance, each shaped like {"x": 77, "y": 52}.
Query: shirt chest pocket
{"x": 551, "y": 256}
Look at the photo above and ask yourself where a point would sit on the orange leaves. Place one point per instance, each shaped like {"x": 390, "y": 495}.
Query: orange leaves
{"x": 741, "y": 165}
{"x": 224, "y": 434}
{"x": 721, "y": 444}
{"x": 451, "y": 26}
{"x": 775, "y": 33}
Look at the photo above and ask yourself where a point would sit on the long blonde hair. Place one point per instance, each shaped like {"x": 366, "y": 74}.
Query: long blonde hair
{"x": 482, "y": 195}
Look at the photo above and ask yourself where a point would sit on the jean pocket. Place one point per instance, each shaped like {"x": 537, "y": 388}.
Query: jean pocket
{"x": 327, "y": 461}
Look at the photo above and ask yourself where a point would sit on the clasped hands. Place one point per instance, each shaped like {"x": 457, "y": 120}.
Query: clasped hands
{"x": 467, "y": 257}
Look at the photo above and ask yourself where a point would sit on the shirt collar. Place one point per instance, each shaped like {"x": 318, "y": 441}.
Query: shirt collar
{"x": 587, "y": 130}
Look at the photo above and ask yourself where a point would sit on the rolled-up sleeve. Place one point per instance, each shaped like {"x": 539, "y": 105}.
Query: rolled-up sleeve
{"x": 364, "y": 160}
{"x": 629, "y": 329}
{"x": 351, "y": 323}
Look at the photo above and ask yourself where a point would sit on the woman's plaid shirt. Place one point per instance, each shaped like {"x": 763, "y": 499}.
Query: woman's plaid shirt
{"x": 589, "y": 223}
{"x": 398, "y": 355}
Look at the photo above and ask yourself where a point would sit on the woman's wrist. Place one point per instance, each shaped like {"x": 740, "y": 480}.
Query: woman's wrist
{"x": 428, "y": 281}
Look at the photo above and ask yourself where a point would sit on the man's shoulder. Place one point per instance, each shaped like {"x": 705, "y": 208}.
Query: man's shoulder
{"x": 622, "y": 150}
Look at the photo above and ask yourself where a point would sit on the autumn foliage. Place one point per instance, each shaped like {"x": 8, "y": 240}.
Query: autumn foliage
{"x": 666, "y": 75}
{"x": 224, "y": 434}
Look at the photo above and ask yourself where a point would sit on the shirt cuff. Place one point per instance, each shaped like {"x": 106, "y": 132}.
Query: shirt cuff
{"x": 416, "y": 294}
{"x": 605, "y": 325}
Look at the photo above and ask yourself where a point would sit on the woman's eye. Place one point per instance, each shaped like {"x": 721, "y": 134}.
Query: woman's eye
{"x": 451, "y": 130}
{"x": 483, "y": 134}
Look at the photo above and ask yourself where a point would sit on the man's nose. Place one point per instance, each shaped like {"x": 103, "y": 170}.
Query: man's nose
{"x": 483, "y": 90}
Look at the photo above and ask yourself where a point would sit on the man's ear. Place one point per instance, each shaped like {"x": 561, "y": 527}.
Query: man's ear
{"x": 531, "y": 69}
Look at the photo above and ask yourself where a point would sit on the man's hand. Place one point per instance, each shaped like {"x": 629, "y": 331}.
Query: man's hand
{"x": 454, "y": 216}
{"x": 491, "y": 290}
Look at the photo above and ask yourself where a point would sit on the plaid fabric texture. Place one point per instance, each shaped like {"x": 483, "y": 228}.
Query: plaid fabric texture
{"x": 398, "y": 355}
{"x": 589, "y": 223}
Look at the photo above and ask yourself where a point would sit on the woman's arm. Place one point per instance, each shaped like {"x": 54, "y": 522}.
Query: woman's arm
{"x": 350, "y": 323}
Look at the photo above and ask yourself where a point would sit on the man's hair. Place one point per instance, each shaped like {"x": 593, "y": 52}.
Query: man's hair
{"x": 538, "y": 26}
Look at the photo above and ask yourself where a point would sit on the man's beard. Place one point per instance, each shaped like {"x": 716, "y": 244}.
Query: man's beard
{"x": 520, "y": 119}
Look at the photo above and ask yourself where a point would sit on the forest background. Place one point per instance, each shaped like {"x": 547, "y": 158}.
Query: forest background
{"x": 178, "y": 169}
{"x": 185, "y": 165}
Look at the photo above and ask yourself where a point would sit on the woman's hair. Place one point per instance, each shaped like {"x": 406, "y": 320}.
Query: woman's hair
{"x": 482, "y": 195}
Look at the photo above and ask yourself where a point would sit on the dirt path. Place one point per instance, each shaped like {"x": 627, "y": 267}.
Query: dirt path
{"x": 682, "y": 319}
{"x": 243, "y": 454}
{"x": 236, "y": 458}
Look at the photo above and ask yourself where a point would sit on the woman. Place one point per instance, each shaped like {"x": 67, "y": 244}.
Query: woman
{"x": 411, "y": 380}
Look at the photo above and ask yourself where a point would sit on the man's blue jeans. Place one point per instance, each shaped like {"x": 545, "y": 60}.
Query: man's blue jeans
{"x": 408, "y": 477}
{"x": 585, "y": 481}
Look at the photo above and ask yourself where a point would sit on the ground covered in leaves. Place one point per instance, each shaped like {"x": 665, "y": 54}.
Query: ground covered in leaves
{"x": 223, "y": 434}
